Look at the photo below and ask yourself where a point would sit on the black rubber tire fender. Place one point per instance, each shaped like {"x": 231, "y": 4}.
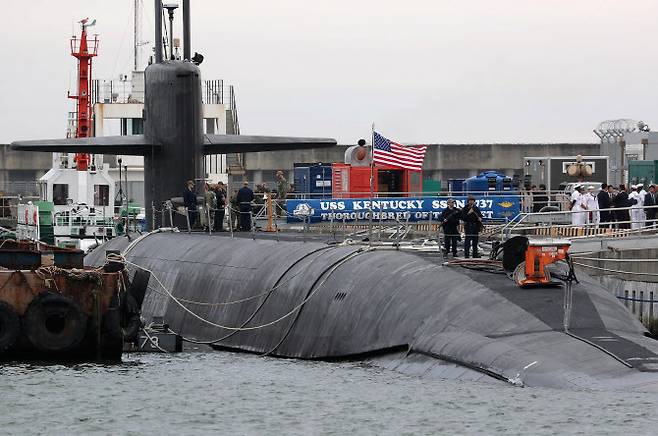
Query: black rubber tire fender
{"x": 54, "y": 323}
{"x": 10, "y": 326}
{"x": 138, "y": 285}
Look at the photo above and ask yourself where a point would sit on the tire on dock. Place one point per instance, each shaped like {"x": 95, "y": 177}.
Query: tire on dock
{"x": 54, "y": 323}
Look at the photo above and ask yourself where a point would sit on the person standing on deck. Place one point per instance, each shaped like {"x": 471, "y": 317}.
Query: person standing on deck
{"x": 450, "y": 222}
{"x": 637, "y": 202}
{"x": 220, "y": 195}
{"x": 650, "y": 199}
{"x": 189, "y": 200}
{"x": 605, "y": 202}
{"x": 592, "y": 207}
{"x": 540, "y": 199}
{"x": 622, "y": 201}
{"x": 643, "y": 196}
{"x": 245, "y": 198}
{"x": 577, "y": 217}
{"x": 472, "y": 218}
{"x": 210, "y": 204}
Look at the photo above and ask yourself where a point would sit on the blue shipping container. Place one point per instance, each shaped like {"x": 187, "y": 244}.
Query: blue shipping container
{"x": 456, "y": 185}
{"x": 301, "y": 177}
{"x": 320, "y": 181}
{"x": 488, "y": 181}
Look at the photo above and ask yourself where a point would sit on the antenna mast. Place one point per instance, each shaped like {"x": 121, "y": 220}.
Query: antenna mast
{"x": 136, "y": 41}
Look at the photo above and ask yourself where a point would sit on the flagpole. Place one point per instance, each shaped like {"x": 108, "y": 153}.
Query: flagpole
{"x": 372, "y": 180}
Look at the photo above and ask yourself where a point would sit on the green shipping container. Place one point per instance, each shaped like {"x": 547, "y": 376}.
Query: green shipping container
{"x": 45, "y": 212}
{"x": 44, "y": 206}
{"x": 431, "y": 186}
{"x": 643, "y": 171}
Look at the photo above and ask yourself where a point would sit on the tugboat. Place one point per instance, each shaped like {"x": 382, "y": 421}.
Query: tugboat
{"x": 54, "y": 309}
{"x": 76, "y": 208}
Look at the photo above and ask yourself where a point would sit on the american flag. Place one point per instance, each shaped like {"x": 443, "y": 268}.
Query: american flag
{"x": 387, "y": 152}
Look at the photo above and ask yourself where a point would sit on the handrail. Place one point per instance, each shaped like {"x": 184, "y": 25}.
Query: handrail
{"x": 514, "y": 224}
{"x": 366, "y": 194}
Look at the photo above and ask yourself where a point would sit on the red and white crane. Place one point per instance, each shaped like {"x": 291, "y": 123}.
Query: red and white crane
{"x": 84, "y": 51}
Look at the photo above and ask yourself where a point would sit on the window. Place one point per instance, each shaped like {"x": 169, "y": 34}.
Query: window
{"x": 138, "y": 126}
{"x": 60, "y": 194}
{"x": 101, "y": 195}
{"x": 43, "y": 191}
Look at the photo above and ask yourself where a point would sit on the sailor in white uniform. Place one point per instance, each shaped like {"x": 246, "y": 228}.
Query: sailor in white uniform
{"x": 636, "y": 207}
{"x": 643, "y": 196}
{"x": 592, "y": 204}
{"x": 577, "y": 216}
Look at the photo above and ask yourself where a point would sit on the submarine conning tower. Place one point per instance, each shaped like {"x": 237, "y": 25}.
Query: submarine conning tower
{"x": 173, "y": 118}
{"x": 173, "y": 97}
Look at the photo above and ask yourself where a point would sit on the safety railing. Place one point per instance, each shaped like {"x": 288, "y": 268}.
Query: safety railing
{"x": 521, "y": 222}
{"x": 83, "y": 218}
{"x": 398, "y": 228}
{"x": 366, "y": 194}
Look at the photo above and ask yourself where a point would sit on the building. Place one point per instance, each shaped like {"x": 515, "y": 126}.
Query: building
{"x": 442, "y": 161}
{"x": 624, "y": 140}
{"x": 20, "y": 170}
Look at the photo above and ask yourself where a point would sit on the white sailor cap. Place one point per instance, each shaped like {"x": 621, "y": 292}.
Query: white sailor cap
{"x": 640, "y": 185}
{"x": 633, "y": 186}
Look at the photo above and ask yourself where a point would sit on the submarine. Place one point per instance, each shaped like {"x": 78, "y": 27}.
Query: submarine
{"x": 392, "y": 308}
{"x": 399, "y": 309}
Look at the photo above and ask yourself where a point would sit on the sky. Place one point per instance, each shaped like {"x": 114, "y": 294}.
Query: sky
{"x": 423, "y": 71}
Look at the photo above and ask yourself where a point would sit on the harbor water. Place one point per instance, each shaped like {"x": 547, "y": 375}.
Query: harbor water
{"x": 206, "y": 392}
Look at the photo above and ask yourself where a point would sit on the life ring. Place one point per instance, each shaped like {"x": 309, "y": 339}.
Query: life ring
{"x": 35, "y": 217}
{"x": 10, "y": 326}
{"x": 54, "y": 323}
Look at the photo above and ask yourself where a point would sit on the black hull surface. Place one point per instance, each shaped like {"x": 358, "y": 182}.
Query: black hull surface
{"x": 316, "y": 301}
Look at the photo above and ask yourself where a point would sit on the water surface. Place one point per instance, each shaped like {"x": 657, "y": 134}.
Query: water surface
{"x": 196, "y": 393}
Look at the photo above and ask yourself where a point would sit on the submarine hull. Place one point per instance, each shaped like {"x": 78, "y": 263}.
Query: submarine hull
{"x": 317, "y": 301}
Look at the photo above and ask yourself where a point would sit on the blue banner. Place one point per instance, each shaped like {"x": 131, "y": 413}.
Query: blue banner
{"x": 499, "y": 207}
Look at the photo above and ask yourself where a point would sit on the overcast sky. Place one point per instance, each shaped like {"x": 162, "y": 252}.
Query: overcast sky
{"x": 424, "y": 71}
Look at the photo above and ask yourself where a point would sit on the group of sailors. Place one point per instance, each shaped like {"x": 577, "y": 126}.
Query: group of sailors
{"x": 214, "y": 201}
{"x": 450, "y": 219}
{"x": 635, "y": 206}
